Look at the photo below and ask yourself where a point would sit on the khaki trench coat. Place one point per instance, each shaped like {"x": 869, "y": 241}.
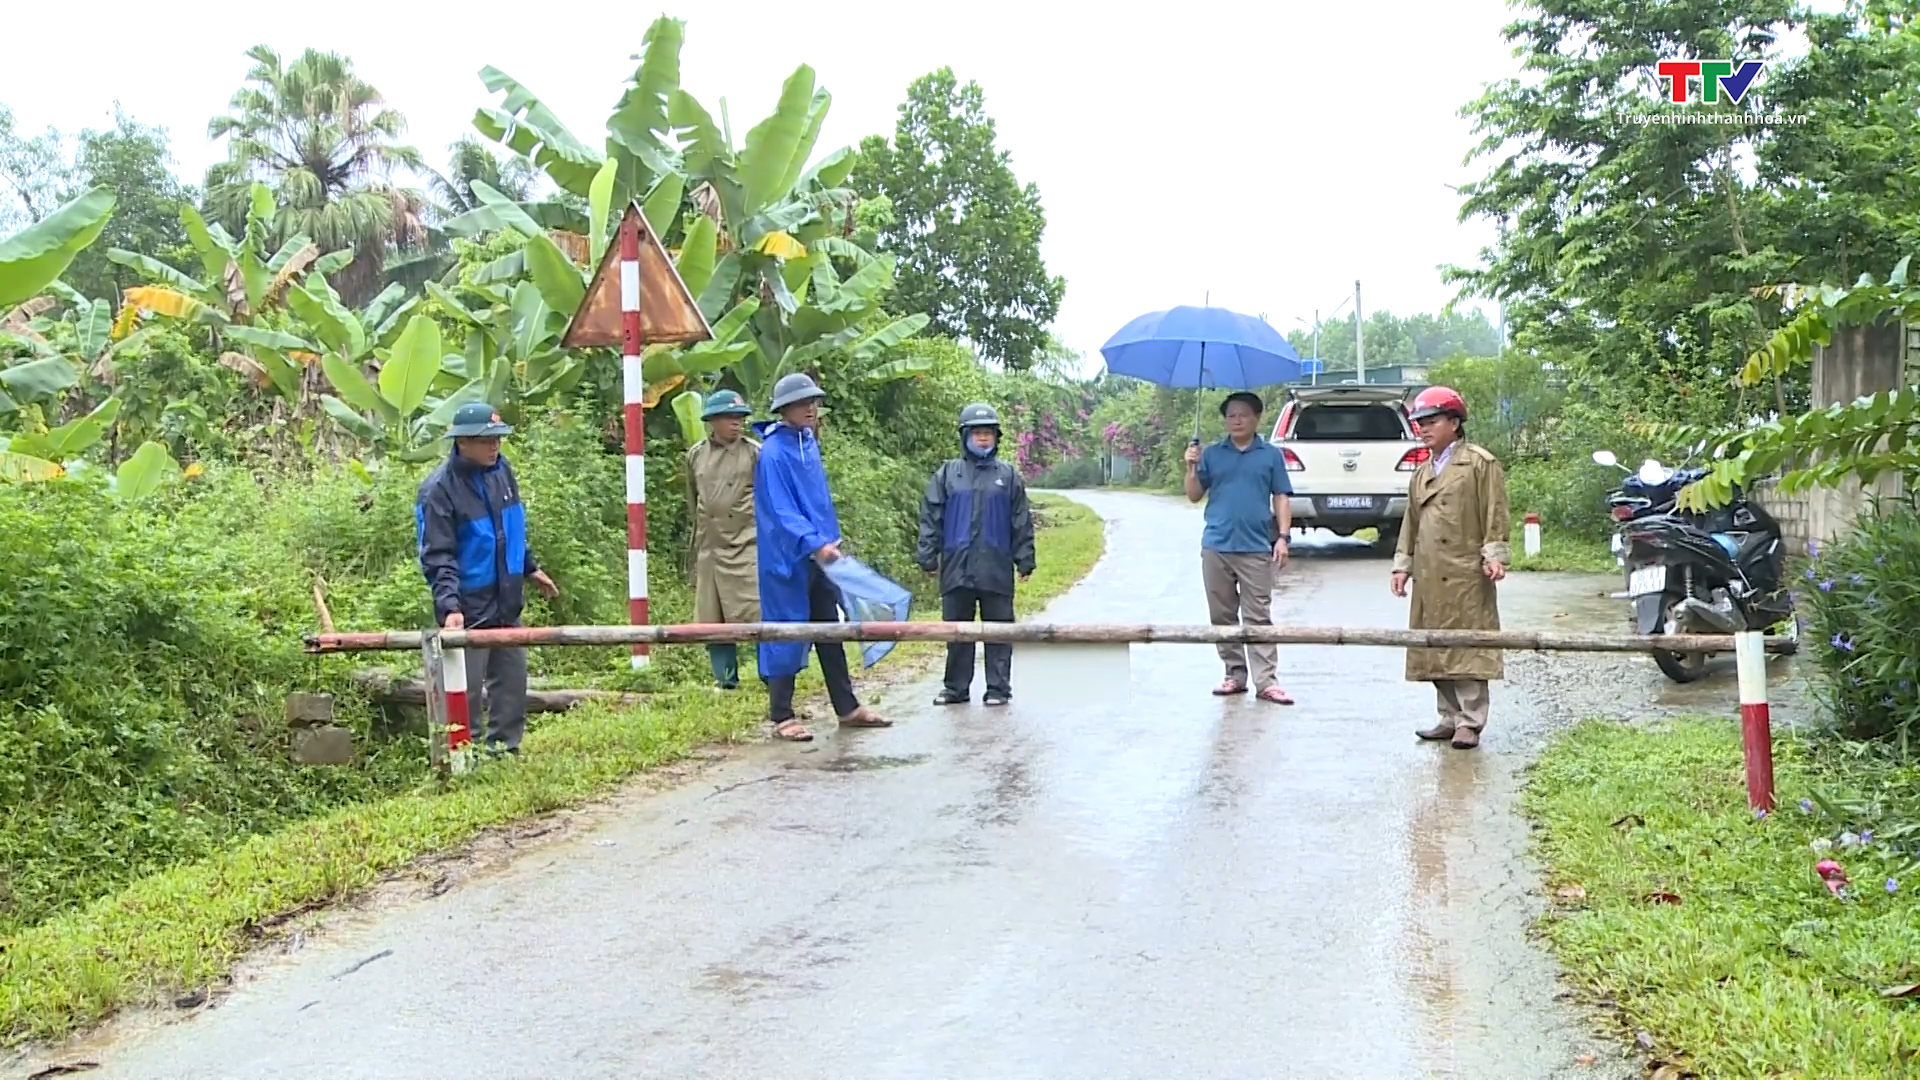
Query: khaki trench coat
{"x": 726, "y": 577}
{"x": 1456, "y": 523}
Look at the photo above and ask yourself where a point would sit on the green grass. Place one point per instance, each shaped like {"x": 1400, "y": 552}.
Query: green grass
{"x": 1758, "y": 971}
{"x": 1559, "y": 551}
{"x": 186, "y": 926}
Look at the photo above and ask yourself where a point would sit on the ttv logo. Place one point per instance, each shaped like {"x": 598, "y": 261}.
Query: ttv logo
{"x": 1714, "y": 76}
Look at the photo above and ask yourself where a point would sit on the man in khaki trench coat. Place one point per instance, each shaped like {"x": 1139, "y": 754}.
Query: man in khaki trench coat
{"x": 1453, "y": 545}
{"x": 726, "y": 584}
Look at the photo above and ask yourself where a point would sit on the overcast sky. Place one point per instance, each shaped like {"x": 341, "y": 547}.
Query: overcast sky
{"x": 1267, "y": 153}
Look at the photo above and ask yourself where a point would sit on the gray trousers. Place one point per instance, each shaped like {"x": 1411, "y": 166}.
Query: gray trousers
{"x": 497, "y": 690}
{"x": 1240, "y": 592}
{"x": 1463, "y": 703}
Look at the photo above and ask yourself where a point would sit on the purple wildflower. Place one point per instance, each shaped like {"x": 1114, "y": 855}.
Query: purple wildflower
{"x": 1857, "y": 579}
{"x": 1842, "y": 642}
{"x": 1813, "y": 548}
{"x": 1827, "y": 585}
{"x": 1866, "y": 836}
{"x": 1759, "y": 814}
{"x": 1893, "y": 886}
{"x": 1812, "y": 575}
{"x": 1806, "y": 805}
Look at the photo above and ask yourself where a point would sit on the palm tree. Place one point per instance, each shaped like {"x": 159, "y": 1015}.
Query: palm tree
{"x": 469, "y": 159}
{"x": 327, "y": 144}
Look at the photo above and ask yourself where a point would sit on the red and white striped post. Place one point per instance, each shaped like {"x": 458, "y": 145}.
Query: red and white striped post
{"x": 635, "y": 385}
{"x": 1531, "y": 533}
{"x": 1756, "y": 720}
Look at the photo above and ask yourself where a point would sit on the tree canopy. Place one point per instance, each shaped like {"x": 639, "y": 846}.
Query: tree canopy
{"x": 966, "y": 231}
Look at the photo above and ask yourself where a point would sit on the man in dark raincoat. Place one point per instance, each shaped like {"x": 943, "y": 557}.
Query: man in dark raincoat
{"x": 471, "y": 529}
{"x": 799, "y": 533}
{"x": 976, "y": 532}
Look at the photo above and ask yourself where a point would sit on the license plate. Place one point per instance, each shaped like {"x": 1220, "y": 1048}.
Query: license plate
{"x": 1349, "y": 502}
{"x": 1647, "y": 580}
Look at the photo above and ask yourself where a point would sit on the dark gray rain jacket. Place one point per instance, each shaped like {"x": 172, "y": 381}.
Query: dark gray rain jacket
{"x": 975, "y": 526}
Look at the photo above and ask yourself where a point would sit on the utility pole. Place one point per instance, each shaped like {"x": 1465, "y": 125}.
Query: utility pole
{"x": 1314, "y": 379}
{"x": 1359, "y": 338}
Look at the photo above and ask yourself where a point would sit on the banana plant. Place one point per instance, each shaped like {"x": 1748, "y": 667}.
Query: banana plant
{"x": 832, "y": 316}
{"x": 510, "y": 356}
{"x": 396, "y": 412}
{"x": 35, "y": 257}
{"x": 636, "y": 156}
{"x": 241, "y": 279}
{"x": 317, "y": 326}
{"x": 76, "y": 351}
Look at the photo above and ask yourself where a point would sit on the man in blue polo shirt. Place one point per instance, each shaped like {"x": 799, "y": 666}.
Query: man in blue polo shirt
{"x": 1243, "y": 477}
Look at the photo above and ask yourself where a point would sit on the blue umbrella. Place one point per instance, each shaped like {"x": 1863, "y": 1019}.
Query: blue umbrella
{"x": 1202, "y": 348}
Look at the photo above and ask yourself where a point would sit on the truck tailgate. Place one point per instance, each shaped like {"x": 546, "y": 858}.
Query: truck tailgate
{"x": 1350, "y": 468}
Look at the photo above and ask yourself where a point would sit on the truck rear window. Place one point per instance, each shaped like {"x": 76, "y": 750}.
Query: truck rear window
{"x": 1349, "y": 423}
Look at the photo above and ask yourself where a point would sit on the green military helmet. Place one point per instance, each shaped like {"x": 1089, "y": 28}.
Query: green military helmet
{"x": 725, "y": 403}
{"x": 979, "y": 414}
{"x": 477, "y": 420}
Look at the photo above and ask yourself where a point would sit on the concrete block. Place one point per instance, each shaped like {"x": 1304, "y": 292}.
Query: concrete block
{"x": 322, "y": 746}
{"x": 309, "y": 710}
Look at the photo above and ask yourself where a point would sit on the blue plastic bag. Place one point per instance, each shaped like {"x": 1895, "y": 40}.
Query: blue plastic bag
{"x": 867, "y": 597}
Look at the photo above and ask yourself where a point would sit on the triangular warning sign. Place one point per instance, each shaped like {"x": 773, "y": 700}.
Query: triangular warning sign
{"x": 668, "y": 313}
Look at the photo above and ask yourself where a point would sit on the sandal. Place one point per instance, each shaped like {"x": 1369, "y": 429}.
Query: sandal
{"x": 792, "y": 730}
{"x": 1275, "y": 695}
{"x": 864, "y": 717}
{"x": 1228, "y": 688}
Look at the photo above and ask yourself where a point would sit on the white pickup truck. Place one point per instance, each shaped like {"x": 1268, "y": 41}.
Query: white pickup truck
{"x": 1350, "y": 453}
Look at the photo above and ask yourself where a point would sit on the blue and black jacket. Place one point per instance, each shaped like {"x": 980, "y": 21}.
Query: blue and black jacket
{"x": 975, "y": 526}
{"x": 472, "y": 532}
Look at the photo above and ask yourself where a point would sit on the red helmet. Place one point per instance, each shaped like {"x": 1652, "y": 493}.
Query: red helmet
{"x": 1435, "y": 400}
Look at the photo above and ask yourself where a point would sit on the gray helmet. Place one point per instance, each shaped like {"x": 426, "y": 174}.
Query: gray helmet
{"x": 979, "y": 414}
{"x": 793, "y": 389}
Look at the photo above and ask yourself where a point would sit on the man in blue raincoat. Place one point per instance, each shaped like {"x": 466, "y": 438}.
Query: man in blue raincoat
{"x": 799, "y": 533}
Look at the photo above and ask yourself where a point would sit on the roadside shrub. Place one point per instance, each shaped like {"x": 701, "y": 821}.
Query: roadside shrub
{"x": 144, "y": 659}
{"x": 1862, "y": 595}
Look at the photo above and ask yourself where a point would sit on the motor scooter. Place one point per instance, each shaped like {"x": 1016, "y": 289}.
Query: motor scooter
{"x": 1718, "y": 572}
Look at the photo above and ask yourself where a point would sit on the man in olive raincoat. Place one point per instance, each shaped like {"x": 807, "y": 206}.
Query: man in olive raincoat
{"x": 720, "y": 468}
{"x": 799, "y": 533}
{"x": 1453, "y": 548}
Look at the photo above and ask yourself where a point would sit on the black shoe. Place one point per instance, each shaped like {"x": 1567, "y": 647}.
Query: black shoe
{"x": 948, "y": 697}
{"x": 997, "y": 697}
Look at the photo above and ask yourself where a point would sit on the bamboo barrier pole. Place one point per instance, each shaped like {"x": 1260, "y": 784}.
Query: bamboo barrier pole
{"x": 1032, "y": 634}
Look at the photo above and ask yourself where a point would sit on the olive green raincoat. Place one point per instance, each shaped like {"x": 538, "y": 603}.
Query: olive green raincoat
{"x": 1456, "y": 522}
{"x": 726, "y": 584}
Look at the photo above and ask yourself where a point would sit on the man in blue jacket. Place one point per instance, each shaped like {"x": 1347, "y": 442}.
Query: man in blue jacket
{"x": 472, "y": 533}
{"x": 976, "y": 532}
{"x": 799, "y": 533}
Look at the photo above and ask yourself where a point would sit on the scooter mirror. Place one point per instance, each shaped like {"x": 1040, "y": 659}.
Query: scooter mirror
{"x": 1652, "y": 472}
{"x": 1606, "y": 458}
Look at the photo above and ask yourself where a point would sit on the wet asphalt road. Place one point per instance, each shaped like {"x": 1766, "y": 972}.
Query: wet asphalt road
{"x": 1171, "y": 886}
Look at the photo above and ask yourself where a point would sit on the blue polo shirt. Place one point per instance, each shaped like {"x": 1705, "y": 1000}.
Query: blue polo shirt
{"x": 1240, "y": 486}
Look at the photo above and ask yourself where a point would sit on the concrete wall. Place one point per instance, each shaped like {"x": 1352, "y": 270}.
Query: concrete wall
{"x": 1862, "y": 360}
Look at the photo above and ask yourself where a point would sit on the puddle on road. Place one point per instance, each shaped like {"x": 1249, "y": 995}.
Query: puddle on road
{"x": 848, "y": 763}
